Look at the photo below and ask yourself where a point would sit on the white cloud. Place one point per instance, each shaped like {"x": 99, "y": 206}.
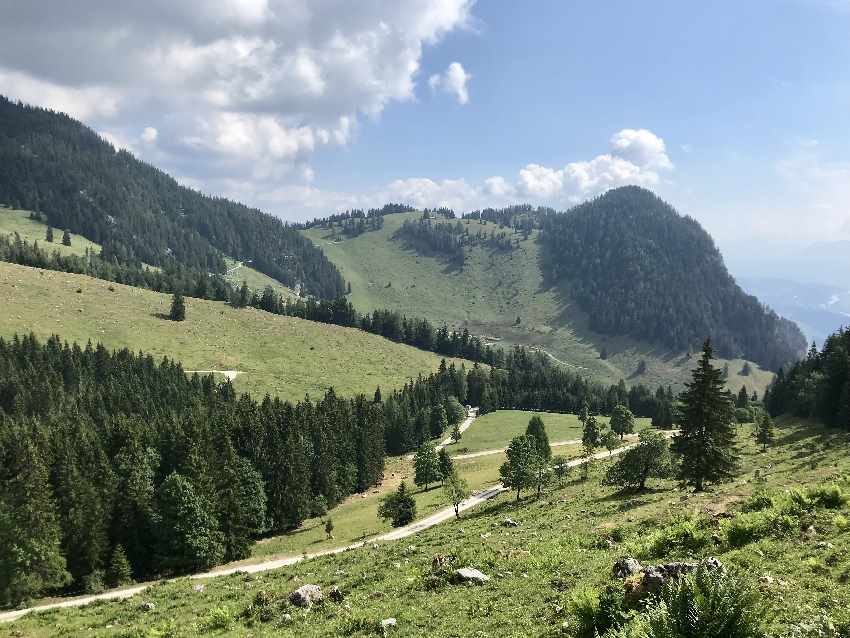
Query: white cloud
{"x": 498, "y": 186}
{"x": 453, "y": 81}
{"x": 636, "y": 157}
{"x": 228, "y": 84}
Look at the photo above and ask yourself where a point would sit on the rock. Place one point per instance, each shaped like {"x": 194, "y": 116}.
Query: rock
{"x": 810, "y": 532}
{"x": 626, "y": 567}
{"x": 767, "y": 579}
{"x": 286, "y": 618}
{"x": 388, "y": 622}
{"x": 335, "y": 594}
{"x": 147, "y": 606}
{"x": 509, "y": 522}
{"x": 410, "y": 549}
{"x": 306, "y": 595}
{"x": 199, "y": 588}
{"x": 470, "y": 575}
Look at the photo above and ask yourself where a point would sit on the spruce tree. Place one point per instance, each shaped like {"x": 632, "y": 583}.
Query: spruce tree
{"x": 537, "y": 431}
{"x": 591, "y": 438}
{"x": 743, "y": 398}
{"x": 119, "y": 571}
{"x": 764, "y": 430}
{"x": 706, "y": 441}
{"x": 244, "y": 297}
{"x": 439, "y": 421}
{"x": 48, "y": 236}
{"x": 377, "y": 398}
{"x": 66, "y": 238}
{"x": 329, "y": 529}
{"x": 399, "y": 507}
{"x": 178, "y": 308}
{"x": 426, "y": 465}
{"x": 622, "y": 421}
{"x": 456, "y": 433}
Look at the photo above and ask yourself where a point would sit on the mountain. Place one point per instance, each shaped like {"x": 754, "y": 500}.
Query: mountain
{"x": 818, "y": 309}
{"x": 55, "y": 165}
{"x": 500, "y": 291}
{"x": 636, "y": 267}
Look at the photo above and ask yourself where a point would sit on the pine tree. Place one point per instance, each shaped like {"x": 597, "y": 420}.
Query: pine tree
{"x": 764, "y": 430}
{"x": 517, "y": 472}
{"x": 426, "y": 465}
{"x": 622, "y": 421}
{"x": 48, "y": 236}
{"x": 706, "y": 441}
{"x": 30, "y": 538}
{"x": 398, "y": 507}
{"x": 66, "y": 238}
{"x": 439, "y": 421}
{"x": 456, "y": 433}
{"x": 445, "y": 464}
{"x": 537, "y": 431}
{"x": 456, "y": 490}
{"x": 329, "y": 529}
{"x": 377, "y": 398}
{"x": 178, "y": 308}
{"x": 202, "y": 287}
{"x": 743, "y": 398}
{"x": 244, "y": 295}
{"x": 119, "y": 571}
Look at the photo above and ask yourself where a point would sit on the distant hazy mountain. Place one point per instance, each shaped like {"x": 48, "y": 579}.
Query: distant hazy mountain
{"x": 818, "y": 309}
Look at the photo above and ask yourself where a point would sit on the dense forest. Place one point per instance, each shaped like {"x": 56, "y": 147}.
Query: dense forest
{"x": 638, "y": 268}
{"x": 357, "y": 221}
{"x": 111, "y": 458}
{"x": 59, "y": 167}
{"x": 818, "y": 386}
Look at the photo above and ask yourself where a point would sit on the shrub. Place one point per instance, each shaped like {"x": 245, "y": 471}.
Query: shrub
{"x": 751, "y": 526}
{"x": 758, "y": 502}
{"x": 689, "y": 535}
{"x": 705, "y": 604}
{"x": 217, "y": 618}
{"x": 828, "y": 496}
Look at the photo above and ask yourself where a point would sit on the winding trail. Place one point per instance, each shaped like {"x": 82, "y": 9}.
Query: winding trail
{"x": 473, "y": 414}
{"x": 402, "y": 532}
{"x": 472, "y": 455}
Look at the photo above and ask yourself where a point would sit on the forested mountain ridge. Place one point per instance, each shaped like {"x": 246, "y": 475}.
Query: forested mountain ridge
{"x": 53, "y": 164}
{"x": 637, "y": 267}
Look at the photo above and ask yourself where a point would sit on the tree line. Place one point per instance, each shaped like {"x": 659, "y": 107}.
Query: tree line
{"x": 430, "y": 236}
{"x": 64, "y": 170}
{"x": 818, "y": 386}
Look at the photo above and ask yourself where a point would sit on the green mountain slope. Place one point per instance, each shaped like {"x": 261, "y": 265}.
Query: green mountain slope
{"x": 489, "y": 293}
{"x": 51, "y": 163}
{"x": 283, "y": 356}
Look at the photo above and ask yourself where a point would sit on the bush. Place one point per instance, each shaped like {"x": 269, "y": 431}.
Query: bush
{"x": 217, "y": 618}
{"x": 758, "y": 502}
{"x": 93, "y": 583}
{"x": 828, "y": 496}
{"x": 752, "y": 526}
{"x": 705, "y": 604}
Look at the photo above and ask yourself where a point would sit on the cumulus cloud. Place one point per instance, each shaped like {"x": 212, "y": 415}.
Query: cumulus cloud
{"x": 498, "y": 186}
{"x": 453, "y": 81}
{"x": 637, "y": 156}
{"x": 227, "y": 84}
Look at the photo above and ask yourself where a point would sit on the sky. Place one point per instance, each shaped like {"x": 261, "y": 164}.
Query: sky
{"x": 735, "y": 112}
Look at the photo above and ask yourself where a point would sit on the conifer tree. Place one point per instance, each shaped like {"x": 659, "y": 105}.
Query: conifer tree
{"x": 48, "y": 236}
{"x": 399, "y": 507}
{"x": 591, "y": 438}
{"x": 561, "y": 467}
{"x": 66, "y": 238}
{"x": 426, "y": 465}
{"x": 119, "y": 571}
{"x": 743, "y": 398}
{"x": 537, "y": 431}
{"x": 244, "y": 297}
{"x": 329, "y": 529}
{"x": 706, "y": 441}
{"x": 622, "y": 421}
{"x": 456, "y": 433}
{"x": 764, "y": 430}
{"x": 377, "y": 398}
{"x": 202, "y": 287}
{"x": 30, "y": 550}
{"x": 439, "y": 421}
{"x": 517, "y": 472}
{"x": 178, "y": 308}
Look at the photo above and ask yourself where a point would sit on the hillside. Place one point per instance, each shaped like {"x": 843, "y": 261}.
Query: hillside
{"x": 636, "y": 267}
{"x": 543, "y": 572}
{"x": 55, "y": 165}
{"x": 489, "y": 293}
{"x": 283, "y": 356}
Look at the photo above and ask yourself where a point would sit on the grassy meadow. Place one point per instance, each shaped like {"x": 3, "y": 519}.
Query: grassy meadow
{"x": 565, "y": 543}
{"x": 282, "y": 356}
{"x": 18, "y": 221}
{"x": 489, "y": 294}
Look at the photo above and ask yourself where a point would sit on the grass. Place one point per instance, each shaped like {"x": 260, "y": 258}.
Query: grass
{"x": 488, "y": 295}
{"x": 282, "y": 356}
{"x": 495, "y": 430}
{"x": 17, "y": 221}
{"x": 238, "y": 271}
{"x": 566, "y": 542}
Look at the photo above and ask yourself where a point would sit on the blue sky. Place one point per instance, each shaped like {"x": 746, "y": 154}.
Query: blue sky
{"x": 736, "y": 112}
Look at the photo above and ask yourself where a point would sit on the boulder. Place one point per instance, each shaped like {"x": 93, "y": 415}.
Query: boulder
{"x": 626, "y": 567}
{"x": 470, "y": 575}
{"x": 306, "y": 595}
{"x": 388, "y": 622}
{"x": 509, "y": 522}
{"x": 147, "y": 606}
